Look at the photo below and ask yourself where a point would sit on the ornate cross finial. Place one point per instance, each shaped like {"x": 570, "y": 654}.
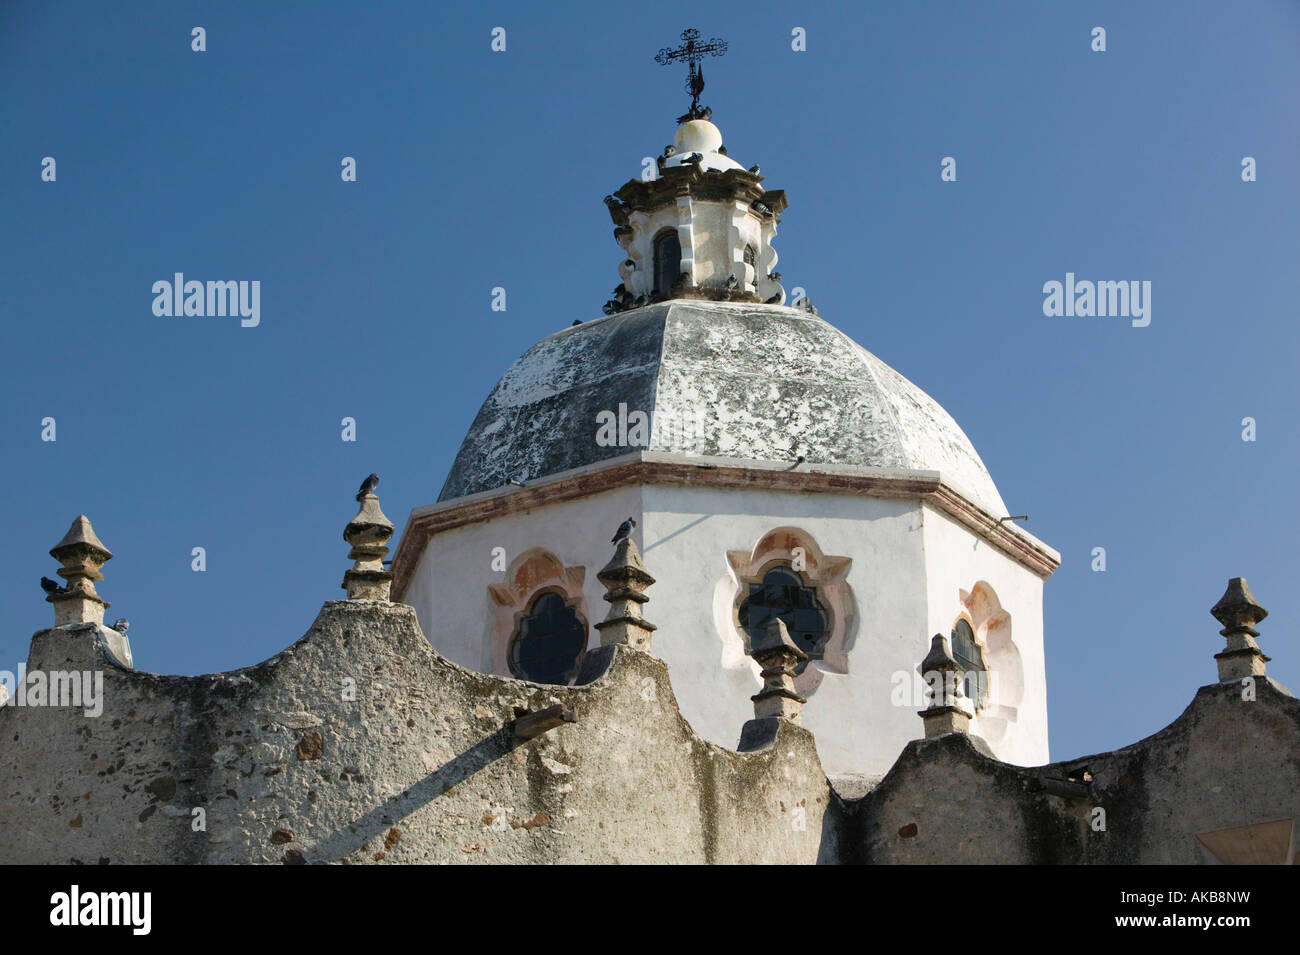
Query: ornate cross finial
{"x": 692, "y": 50}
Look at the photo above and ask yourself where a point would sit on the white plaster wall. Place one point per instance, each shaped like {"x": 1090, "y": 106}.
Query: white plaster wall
{"x": 955, "y": 560}
{"x": 713, "y": 236}
{"x": 909, "y": 564}
{"x": 449, "y": 589}
{"x": 687, "y": 532}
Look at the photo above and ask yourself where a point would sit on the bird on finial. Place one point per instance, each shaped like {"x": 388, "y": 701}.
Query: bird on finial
{"x": 121, "y": 625}
{"x": 623, "y": 531}
{"x": 368, "y": 486}
{"x": 50, "y": 587}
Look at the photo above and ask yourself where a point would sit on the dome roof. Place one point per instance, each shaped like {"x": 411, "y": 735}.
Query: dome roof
{"x": 758, "y": 382}
{"x": 702, "y": 137}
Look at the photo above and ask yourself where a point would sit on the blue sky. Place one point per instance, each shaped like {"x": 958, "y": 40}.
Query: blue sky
{"x": 479, "y": 169}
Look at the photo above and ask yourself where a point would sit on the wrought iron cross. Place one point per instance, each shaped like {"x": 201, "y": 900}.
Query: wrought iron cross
{"x": 692, "y": 51}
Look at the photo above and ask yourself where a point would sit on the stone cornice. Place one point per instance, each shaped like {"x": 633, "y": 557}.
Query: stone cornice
{"x": 653, "y": 467}
{"x": 731, "y": 185}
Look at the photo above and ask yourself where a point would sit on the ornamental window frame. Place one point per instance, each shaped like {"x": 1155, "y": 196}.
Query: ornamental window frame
{"x": 826, "y": 574}
{"x": 531, "y": 574}
{"x": 522, "y": 616}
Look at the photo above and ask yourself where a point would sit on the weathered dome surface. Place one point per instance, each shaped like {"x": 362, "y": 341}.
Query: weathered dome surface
{"x": 761, "y": 382}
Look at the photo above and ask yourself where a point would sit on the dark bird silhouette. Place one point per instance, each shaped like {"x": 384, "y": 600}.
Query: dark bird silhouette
{"x": 669, "y": 150}
{"x": 732, "y": 282}
{"x": 368, "y": 485}
{"x": 121, "y": 624}
{"x": 623, "y": 531}
{"x": 50, "y": 587}
{"x": 578, "y": 321}
{"x": 754, "y": 169}
{"x": 694, "y": 159}
{"x": 774, "y": 300}
{"x": 761, "y": 208}
{"x": 774, "y": 276}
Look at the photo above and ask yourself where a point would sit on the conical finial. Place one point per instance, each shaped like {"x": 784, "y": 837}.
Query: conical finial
{"x": 626, "y": 580}
{"x": 779, "y": 656}
{"x": 943, "y": 673}
{"x": 368, "y": 533}
{"x": 1238, "y": 612}
{"x": 82, "y": 554}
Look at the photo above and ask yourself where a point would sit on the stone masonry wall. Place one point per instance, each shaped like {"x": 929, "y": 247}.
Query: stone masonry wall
{"x": 421, "y": 767}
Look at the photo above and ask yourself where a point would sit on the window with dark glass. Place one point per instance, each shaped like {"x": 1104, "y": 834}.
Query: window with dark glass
{"x": 549, "y": 644}
{"x": 967, "y": 653}
{"x": 783, "y": 594}
{"x": 668, "y": 260}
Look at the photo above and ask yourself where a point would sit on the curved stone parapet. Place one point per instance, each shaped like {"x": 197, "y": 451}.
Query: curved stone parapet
{"x": 1221, "y": 784}
{"x": 360, "y": 743}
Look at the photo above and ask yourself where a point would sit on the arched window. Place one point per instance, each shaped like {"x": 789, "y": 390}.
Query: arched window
{"x": 549, "y": 643}
{"x": 668, "y": 260}
{"x": 967, "y": 652}
{"x": 751, "y": 259}
{"x": 783, "y": 594}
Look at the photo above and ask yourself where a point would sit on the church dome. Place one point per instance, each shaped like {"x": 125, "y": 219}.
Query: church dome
{"x": 699, "y": 137}
{"x": 722, "y": 379}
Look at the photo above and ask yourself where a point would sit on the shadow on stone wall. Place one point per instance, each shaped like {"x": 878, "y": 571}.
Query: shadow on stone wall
{"x": 360, "y": 743}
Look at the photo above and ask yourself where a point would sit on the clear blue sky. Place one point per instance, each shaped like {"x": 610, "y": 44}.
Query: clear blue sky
{"x": 478, "y": 169}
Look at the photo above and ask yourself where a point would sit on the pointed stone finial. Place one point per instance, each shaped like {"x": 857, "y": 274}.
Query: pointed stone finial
{"x": 368, "y": 533}
{"x": 82, "y": 554}
{"x": 779, "y": 656}
{"x": 943, "y": 674}
{"x": 625, "y": 579}
{"x": 1238, "y": 612}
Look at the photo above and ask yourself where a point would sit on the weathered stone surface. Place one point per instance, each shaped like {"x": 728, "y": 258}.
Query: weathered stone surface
{"x": 424, "y": 766}
{"x": 311, "y": 746}
{"x": 759, "y": 382}
{"x": 405, "y": 773}
{"x": 1226, "y": 762}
